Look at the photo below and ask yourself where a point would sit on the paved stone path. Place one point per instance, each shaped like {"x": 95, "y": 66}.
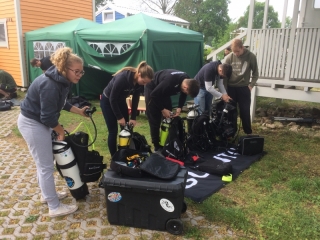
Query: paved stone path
{"x": 22, "y": 216}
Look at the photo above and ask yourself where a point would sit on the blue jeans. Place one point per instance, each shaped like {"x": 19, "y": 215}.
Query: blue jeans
{"x": 204, "y": 100}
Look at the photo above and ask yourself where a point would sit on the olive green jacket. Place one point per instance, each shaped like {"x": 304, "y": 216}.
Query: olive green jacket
{"x": 6, "y": 80}
{"x": 242, "y": 67}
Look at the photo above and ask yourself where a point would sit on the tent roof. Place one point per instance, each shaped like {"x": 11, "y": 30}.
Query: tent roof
{"x": 133, "y": 27}
{"x": 63, "y": 28}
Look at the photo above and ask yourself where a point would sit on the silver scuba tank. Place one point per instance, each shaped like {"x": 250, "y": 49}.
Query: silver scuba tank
{"x": 68, "y": 168}
{"x": 192, "y": 114}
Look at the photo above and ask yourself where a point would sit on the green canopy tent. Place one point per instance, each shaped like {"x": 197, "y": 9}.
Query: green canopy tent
{"x": 44, "y": 41}
{"x": 128, "y": 41}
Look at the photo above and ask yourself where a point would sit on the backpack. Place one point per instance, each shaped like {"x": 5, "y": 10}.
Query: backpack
{"x": 201, "y": 137}
{"x": 175, "y": 146}
{"x": 225, "y": 120}
{"x": 79, "y": 101}
{"x": 90, "y": 163}
{"x": 139, "y": 142}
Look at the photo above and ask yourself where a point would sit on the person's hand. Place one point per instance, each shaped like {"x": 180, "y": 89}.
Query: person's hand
{"x": 60, "y": 132}
{"x": 225, "y": 97}
{"x": 61, "y": 136}
{"x": 166, "y": 113}
{"x": 82, "y": 111}
{"x": 177, "y": 112}
{"x": 250, "y": 88}
{"x": 133, "y": 122}
{"x": 122, "y": 122}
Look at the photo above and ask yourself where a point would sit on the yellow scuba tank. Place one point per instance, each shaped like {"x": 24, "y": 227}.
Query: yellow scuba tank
{"x": 125, "y": 137}
{"x": 164, "y": 132}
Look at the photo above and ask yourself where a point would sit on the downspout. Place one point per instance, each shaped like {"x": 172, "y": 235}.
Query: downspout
{"x": 94, "y": 10}
{"x": 22, "y": 61}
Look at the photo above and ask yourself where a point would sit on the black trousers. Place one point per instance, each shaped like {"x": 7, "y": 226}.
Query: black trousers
{"x": 242, "y": 98}
{"x": 154, "y": 114}
{"x": 112, "y": 122}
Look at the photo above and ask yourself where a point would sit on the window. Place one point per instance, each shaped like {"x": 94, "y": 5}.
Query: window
{"x": 316, "y": 4}
{"x": 43, "y": 49}
{"x": 110, "y": 49}
{"x": 3, "y": 33}
{"x": 108, "y": 16}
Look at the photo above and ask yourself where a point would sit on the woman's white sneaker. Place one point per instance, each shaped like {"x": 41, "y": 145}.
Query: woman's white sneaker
{"x": 61, "y": 195}
{"x": 62, "y": 210}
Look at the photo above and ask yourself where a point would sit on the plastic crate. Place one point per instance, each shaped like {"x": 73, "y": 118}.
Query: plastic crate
{"x": 148, "y": 203}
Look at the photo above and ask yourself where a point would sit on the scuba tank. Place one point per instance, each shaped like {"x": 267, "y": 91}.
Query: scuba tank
{"x": 192, "y": 114}
{"x": 69, "y": 170}
{"x": 164, "y": 132}
{"x": 125, "y": 136}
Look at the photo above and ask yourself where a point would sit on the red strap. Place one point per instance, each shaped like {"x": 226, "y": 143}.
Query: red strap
{"x": 176, "y": 161}
{"x": 195, "y": 158}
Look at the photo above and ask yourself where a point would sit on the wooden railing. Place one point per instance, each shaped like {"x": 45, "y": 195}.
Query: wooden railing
{"x": 213, "y": 54}
{"x": 271, "y": 47}
{"x": 306, "y": 55}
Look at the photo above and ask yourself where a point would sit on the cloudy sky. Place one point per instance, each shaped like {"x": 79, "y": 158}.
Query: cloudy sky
{"x": 236, "y": 7}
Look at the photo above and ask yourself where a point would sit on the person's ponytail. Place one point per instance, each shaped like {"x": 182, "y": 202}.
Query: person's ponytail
{"x": 143, "y": 68}
{"x": 64, "y": 58}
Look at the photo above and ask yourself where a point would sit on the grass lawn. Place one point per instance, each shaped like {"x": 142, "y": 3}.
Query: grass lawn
{"x": 276, "y": 198}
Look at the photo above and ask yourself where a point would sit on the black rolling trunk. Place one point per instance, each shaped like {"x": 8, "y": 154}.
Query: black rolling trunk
{"x": 149, "y": 203}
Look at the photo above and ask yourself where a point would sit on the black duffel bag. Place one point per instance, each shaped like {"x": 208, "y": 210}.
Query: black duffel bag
{"x": 215, "y": 166}
{"x": 133, "y": 163}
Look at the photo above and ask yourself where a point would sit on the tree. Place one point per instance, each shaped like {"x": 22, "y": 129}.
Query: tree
{"x": 162, "y": 6}
{"x": 209, "y": 17}
{"x": 272, "y": 22}
{"x": 100, "y": 3}
{"x": 288, "y": 22}
{"x": 226, "y": 37}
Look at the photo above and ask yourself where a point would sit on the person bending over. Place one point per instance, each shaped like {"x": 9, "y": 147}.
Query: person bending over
{"x": 158, "y": 92}
{"x": 44, "y": 63}
{"x": 243, "y": 64}
{"x": 127, "y": 81}
{"x": 8, "y": 87}
{"x": 207, "y": 76}
{"x": 40, "y": 111}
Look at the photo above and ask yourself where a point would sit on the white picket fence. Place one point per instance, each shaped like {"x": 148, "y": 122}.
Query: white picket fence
{"x": 271, "y": 47}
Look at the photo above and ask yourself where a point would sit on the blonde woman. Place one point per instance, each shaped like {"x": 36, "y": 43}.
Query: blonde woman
{"x": 40, "y": 112}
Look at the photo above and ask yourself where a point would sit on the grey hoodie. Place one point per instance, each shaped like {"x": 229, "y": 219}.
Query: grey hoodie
{"x": 242, "y": 67}
{"x": 46, "y": 97}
